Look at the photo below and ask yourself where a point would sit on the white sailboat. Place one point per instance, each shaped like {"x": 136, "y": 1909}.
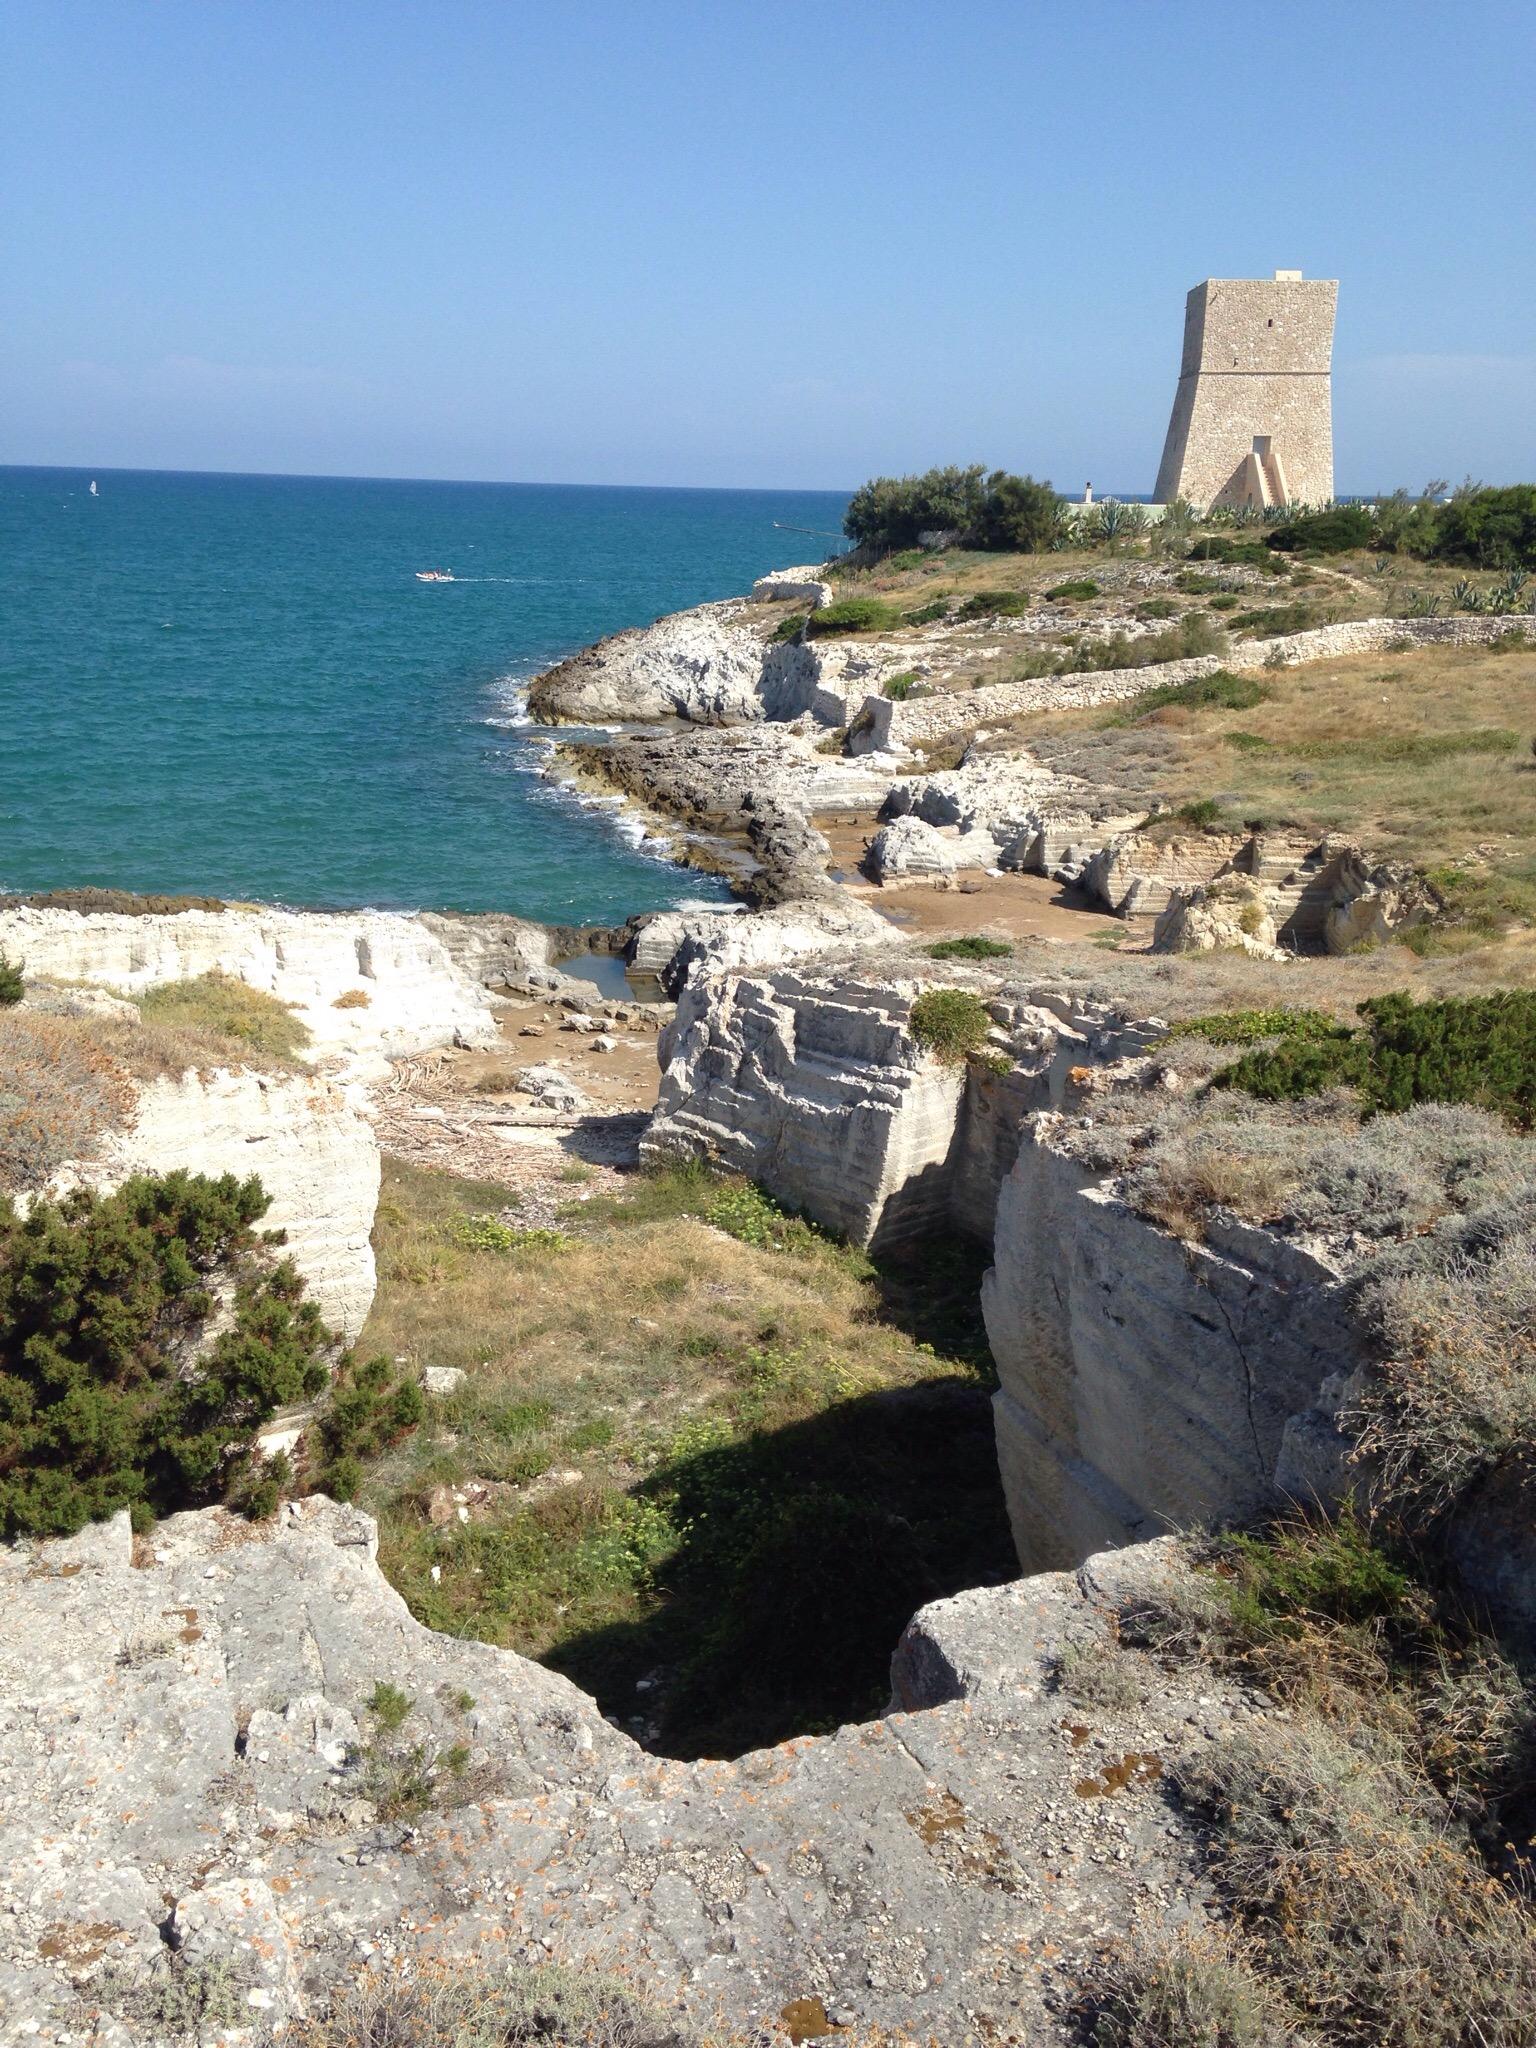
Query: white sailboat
{"x": 94, "y": 492}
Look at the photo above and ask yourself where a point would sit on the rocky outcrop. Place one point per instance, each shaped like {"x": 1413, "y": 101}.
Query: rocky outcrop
{"x": 813, "y": 1085}
{"x": 1145, "y": 1382}
{"x": 707, "y": 665}
{"x": 1297, "y": 894}
{"x": 928, "y": 1875}
{"x": 368, "y": 984}
{"x": 1012, "y": 811}
{"x": 675, "y": 945}
{"x": 313, "y": 1153}
{"x": 1228, "y": 915}
{"x": 793, "y": 586}
{"x": 490, "y": 951}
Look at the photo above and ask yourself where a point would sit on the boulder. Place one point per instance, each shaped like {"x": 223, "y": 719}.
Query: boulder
{"x": 793, "y": 586}
{"x": 1230, "y": 914}
{"x": 552, "y": 1088}
{"x": 907, "y": 846}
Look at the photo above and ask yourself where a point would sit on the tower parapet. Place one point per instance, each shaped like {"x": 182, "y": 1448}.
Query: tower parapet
{"x": 1253, "y": 414}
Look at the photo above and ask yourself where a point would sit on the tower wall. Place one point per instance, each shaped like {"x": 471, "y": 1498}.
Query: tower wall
{"x": 1253, "y": 414}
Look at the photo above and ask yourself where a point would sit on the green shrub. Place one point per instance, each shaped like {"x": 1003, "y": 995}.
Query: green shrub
{"x": 789, "y": 628}
{"x": 891, "y": 512}
{"x": 899, "y": 687}
{"x": 974, "y": 946}
{"x": 1494, "y": 528}
{"x": 1201, "y": 811}
{"x": 371, "y": 1407}
{"x": 12, "y": 987}
{"x": 951, "y": 1023}
{"x": 930, "y": 613}
{"x": 852, "y": 615}
{"x": 1018, "y": 514}
{"x": 1220, "y": 691}
{"x": 1334, "y": 532}
{"x": 1069, "y": 592}
{"x": 1224, "y": 601}
{"x": 224, "y": 1005}
{"x": 489, "y": 1234}
{"x": 1473, "y": 1049}
{"x": 112, "y": 1393}
{"x": 1270, "y": 621}
{"x": 1157, "y": 608}
{"x": 1252, "y": 1027}
{"x": 1245, "y": 554}
{"x": 995, "y": 604}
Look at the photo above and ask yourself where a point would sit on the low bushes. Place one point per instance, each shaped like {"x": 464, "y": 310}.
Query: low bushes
{"x": 12, "y": 987}
{"x": 113, "y": 1392}
{"x": 1220, "y": 691}
{"x": 1066, "y": 593}
{"x": 974, "y": 946}
{"x": 951, "y": 1023}
{"x": 852, "y": 615}
{"x": 1245, "y": 554}
{"x": 1333, "y": 532}
{"x": 994, "y": 604}
{"x": 61, "y": 1090}
{"x": 228, "y": 1009}
{"x": 459, "y": 2005}
{"x": 1474, "y": 1049}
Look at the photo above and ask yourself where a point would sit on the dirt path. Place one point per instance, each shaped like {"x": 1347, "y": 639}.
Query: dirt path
{"x": 465, "y": 1113}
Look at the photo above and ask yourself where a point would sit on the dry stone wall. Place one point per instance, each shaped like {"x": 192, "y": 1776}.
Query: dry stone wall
{"x": 882, "y": 723}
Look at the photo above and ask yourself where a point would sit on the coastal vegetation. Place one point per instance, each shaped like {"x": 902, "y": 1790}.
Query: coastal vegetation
{"x": 118, "y": 1387}
{"x": 710, "y": 1460}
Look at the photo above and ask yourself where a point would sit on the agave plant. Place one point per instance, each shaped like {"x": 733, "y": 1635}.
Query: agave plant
{"x": 1422, "y": 607}
{"x": 1509, "y": 594}
{"x": 1467, "y": 597}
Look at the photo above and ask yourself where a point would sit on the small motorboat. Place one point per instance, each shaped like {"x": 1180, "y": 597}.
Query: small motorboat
{"x": 434, "y": 576}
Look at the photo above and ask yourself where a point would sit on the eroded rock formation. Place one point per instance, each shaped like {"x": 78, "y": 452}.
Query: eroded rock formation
{"x": 313, "y": 1153}
{"x": 191, "y": 1778}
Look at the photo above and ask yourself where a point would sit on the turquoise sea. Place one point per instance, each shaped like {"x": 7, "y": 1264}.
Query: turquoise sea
{"x": 235, "y": 685}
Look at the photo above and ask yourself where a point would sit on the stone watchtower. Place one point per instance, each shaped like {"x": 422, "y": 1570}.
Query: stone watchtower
{"x": 1253, "y": 415}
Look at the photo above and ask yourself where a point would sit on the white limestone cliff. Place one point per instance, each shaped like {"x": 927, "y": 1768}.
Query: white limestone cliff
{"x": 368, "y": 984}
{"x": 314, "y": 1154}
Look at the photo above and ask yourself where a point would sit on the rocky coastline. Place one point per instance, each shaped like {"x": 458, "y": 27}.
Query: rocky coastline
{"x": 1172, "y": 1352}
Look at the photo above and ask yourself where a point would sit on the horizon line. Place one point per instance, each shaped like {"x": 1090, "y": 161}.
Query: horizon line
{"x": 477, "y": 482}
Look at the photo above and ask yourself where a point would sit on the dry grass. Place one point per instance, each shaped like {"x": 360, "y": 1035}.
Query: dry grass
{"x": 1423, "y": 756}
{"x": 1364, "y": 1898}
{"x": 225, "y": 1017}
{"x": 657, "y": 1412}
{"x": 67, "y": 1082}
{"x": 474, "y": 2005}
{"x": 1193, "y": 1990}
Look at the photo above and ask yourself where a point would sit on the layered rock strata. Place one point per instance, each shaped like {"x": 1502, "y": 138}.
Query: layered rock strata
{"x": 191, "y": 1781}
{"x": 316, "y": 1157}
{"x": 367, "y": 984}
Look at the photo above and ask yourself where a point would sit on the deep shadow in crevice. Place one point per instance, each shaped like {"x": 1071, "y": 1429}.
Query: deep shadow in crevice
{"x": 805, "y": 1551}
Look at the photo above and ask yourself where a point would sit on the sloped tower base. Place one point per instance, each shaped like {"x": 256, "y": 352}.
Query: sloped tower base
{"x": 1253, "y": 415}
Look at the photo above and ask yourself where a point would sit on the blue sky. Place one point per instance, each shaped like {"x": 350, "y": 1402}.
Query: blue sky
{"x": 644, "y": 241}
